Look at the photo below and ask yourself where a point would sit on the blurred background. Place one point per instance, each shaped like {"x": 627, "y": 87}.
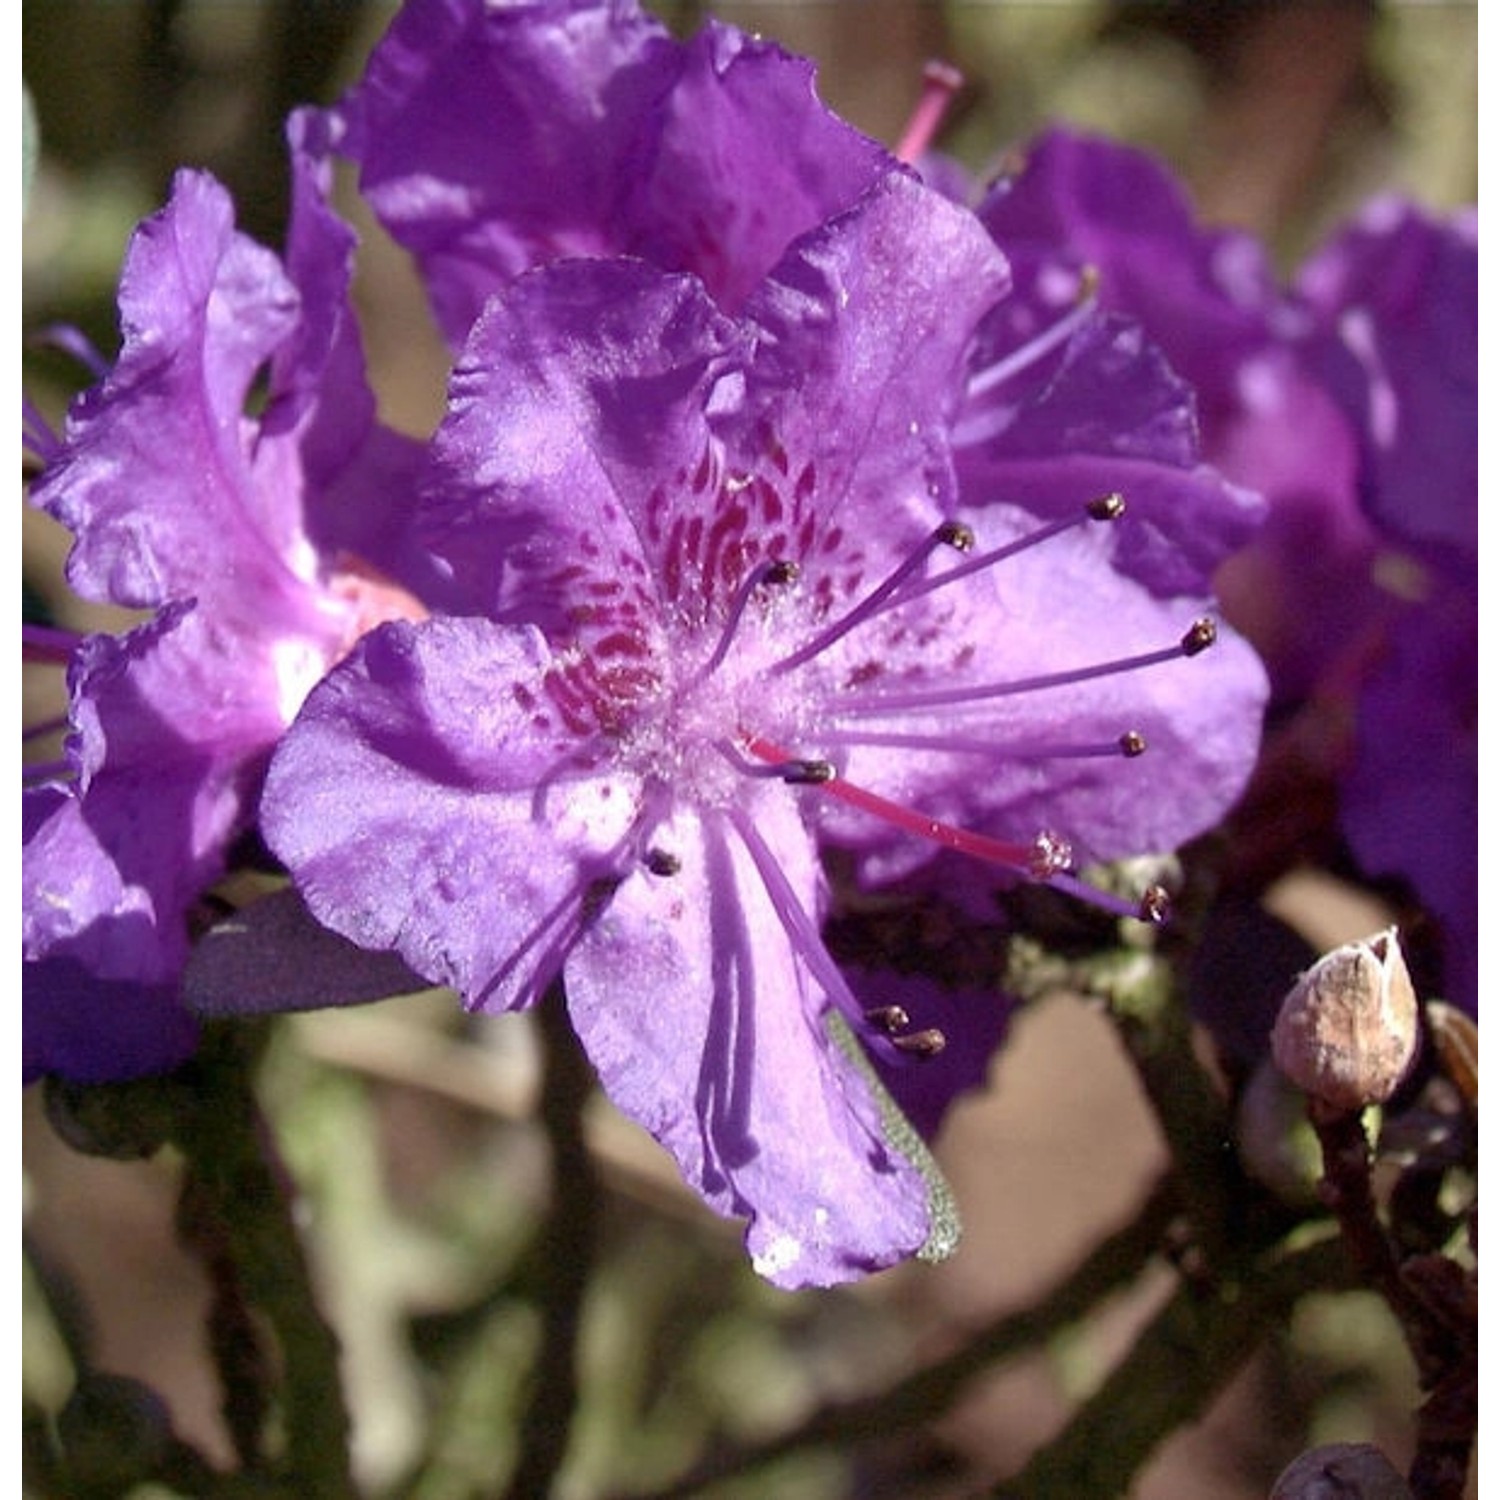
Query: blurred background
{"x": 413, "y": 1131}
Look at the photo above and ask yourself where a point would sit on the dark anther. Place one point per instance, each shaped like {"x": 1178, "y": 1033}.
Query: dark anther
{"x": 780, "y": 573}
{"x": 1156, "y": 904}
{"x": 598, "y": 894}
{"x": 1132, "y": 743}
{"x": 1200, "y": 636}
{"x": 806, "y": 772}
{"x": 660, "y": 862}
{"x": 956, "y": 535}
{"x": 890, "y": 1018}
{"x": 1051, "y": 854}
{"x": 1107, "y": 507}
{"x": 926, "y": 1043}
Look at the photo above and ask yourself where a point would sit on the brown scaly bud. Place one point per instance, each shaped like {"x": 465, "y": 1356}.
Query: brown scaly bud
{"x": 1348, "y": 1031}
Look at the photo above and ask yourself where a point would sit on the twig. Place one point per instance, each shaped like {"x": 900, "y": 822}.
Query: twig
{"x": 927, "y": 1392}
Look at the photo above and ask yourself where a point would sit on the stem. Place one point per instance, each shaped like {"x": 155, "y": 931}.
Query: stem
{"x": 233, "y": 1183}
{"x": 1151, "y": 1021}
{"x": 564, "y": 1256}
{"x": 1175, "y": 1369}
{"x": 1434, "y": 1309}
{"x": 926, "y": 1393}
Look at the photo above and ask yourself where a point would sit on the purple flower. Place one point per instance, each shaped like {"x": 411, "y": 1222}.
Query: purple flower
{"x": 494, "y": 138}
{"x": 702, "y": 632}
{"x": 1091, "y": 224}
{"x": 239, "y": 532}
{"x": 1395, "y": 305}
{"x": 1349, "y": 400}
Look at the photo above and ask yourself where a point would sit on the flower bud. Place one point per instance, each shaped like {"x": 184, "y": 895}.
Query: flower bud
{"x": 1277, "y": 1145}
{"x": 1348, "y": 1031}
{"x": 114, "y": 1431}
{"x": 1341, "y": 1471}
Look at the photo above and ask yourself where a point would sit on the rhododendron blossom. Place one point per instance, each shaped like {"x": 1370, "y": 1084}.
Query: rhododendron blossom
{"x": 718, "y": 609}
{"x": 255, "y": 540}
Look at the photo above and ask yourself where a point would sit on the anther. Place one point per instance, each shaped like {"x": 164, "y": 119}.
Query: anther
{"x": 1200, "y": 636}
{"x": 788, "y": 768}
{"x": 1051, "y": 854}
{"x": 957, "y": 535}
{"x": 661, "y": 862}
{"x": 805, "y": 772}
{"x": 776, "y": 573}
{"x": 1156, "y": 904}
{"x": 1107, "y": 507}
{"x": 1132, "y": 743}
{"x": 889, "y": 1018}
{"x": 923, "y": 1044}
{"x": 947, "y": 534}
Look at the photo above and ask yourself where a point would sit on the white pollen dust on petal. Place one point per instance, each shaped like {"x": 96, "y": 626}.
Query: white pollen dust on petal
{"x": 781, "y": 1253}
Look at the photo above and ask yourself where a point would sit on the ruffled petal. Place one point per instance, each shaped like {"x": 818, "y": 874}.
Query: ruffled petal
{"x": 202, "y": 308}
{"x": 430, "y": 799}
{"x": 492, "y": 138}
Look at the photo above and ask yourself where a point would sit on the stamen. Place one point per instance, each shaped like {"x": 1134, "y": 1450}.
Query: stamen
{"x": 940, "y": 85}
{"x": 950, "y": 534}
{"x": 788, "y": 768}
{"x": 1130, "y": 744}
{"x": 1106, "y": 508}
{"x": 46, "y": 643}
{"x": 1045, "y": 860}
{"x": 47, "y": 770}
{"x": 1038, "y": 347}
{"x": 800, "y": 928}
{"x": 44, "y": 728}
{"x": 889, "y": 1018}
{"x": 73, "y": 341}
{"x": 1198, "y": 638}
{"x": 37, "y": 434}
{"x": 1018, "y": 858}
{"x": 773, "y": 574}
{"x": 923, "y": 1044}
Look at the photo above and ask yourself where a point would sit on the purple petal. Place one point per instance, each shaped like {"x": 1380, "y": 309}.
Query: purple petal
{"x": 1397, "y": 295}
{"x": 1207, "y": 298}
{"x": 861, "y": 344}
{"x": 99, "y": 998}
{"x": 429, "y": 799}
{"x": 1410, "y": 803}
{"x": 493, "y": 139}
{"x": 705, "y": 1024}
{"x": 202, "y": 309}
{"x": 78, "y": 1025}
{"x": 748, "y": 160}
{"x": 577, "y": 420}
{"x": 1110, "y": 416}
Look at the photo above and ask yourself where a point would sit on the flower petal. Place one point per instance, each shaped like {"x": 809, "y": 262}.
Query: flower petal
{"x": 429, "y": 800}
{"x": 706, "y": 1024}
